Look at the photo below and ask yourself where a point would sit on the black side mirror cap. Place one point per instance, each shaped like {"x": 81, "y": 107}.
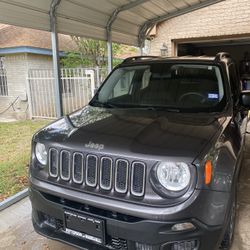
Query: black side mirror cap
{"x": 245, "y": 99}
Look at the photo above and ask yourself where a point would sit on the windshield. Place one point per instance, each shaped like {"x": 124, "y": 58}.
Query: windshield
{"x": 163, "y": 85}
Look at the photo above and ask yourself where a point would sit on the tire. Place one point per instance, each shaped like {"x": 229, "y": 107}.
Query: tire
{"x": 229, "y": 234}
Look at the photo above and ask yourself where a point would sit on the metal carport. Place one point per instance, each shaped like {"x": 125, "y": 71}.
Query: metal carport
{"x": 121, "y": 21}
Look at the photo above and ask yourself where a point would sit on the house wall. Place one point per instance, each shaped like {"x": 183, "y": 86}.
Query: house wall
{"x": 17, "y": 67}
{"x": 221, "y": 20}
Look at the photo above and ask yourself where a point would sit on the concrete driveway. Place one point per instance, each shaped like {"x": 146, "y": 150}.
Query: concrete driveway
{"x": 16, "y": 231}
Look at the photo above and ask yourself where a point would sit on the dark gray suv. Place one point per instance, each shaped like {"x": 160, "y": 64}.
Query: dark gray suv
{"x": 151, "y": 163}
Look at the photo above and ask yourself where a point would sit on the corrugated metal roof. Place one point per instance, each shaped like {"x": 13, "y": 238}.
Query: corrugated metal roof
{"x": 130, "y": 19}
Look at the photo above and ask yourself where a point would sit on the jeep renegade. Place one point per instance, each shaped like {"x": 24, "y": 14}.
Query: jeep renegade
{"x": 151, "y": 163}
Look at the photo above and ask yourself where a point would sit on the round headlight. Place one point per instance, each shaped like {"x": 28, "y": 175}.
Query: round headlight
{"x": 41, "y": 153}
{"x": 174, "y": 176}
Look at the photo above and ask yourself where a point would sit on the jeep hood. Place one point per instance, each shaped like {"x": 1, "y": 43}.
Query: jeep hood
{"x": 133, "y": 132}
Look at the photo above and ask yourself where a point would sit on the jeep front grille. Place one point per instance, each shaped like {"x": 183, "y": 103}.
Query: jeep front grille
{"x": 78, "y": 166}
{"x": 98, "y": 172}
{"x": 106, "y": 169}
{"x": 53, "y": 162}
{"x": 137, "y": 178}
{"x": 91, "y": 170}
{"x": 65, "y": 165}
{"x": 121, "y": 176}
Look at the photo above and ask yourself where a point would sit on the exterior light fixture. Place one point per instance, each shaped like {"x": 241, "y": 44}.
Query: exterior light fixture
{"x": 164, "y": 49}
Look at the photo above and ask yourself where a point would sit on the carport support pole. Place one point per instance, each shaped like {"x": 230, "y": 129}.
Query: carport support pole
{"x": 141, "y": 50}
{"x": 56, "y": 62}
{"x": 110, "y": 52}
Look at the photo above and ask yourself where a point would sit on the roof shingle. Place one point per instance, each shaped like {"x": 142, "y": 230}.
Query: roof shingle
{"x": 13, "y": 36}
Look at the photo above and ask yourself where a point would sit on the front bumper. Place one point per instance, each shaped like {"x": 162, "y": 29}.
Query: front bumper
{"x": 123, "y": 231}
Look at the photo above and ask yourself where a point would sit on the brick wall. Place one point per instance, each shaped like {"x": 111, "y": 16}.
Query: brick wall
{"x": 17, "y": 67}
{"x": 230, "y": 17}
{"x": 39, "y": 62}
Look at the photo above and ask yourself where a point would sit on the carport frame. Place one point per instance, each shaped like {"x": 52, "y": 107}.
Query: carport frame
{"x": 56, "y": 58}
{"x": 143, "y": 31}
{"x": 109, "y": 27}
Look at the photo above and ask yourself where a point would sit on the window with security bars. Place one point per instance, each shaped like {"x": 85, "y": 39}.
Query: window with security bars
{"x": 3, "y": 79}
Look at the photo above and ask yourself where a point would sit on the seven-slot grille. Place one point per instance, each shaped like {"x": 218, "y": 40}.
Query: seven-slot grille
{"x": 102, "y": 172}
{"x": 121, "y": 176}
{"x": 106, "y": 173}
{"x": 65, "y": 165}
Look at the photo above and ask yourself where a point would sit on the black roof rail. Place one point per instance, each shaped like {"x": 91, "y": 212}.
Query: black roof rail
{"x": 135, "y": 58}
{"x": 222, "y": 55}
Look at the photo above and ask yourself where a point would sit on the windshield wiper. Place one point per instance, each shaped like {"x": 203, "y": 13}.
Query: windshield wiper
{"x": 161, "y": 108}
{"x": 96, "y": 103}
{"x": 133, "y": 106}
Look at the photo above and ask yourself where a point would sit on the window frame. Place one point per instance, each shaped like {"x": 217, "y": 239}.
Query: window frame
{"x": 4, "y": 90}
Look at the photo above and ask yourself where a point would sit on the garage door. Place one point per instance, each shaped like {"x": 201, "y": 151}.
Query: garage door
{"x": 239, "y": 49}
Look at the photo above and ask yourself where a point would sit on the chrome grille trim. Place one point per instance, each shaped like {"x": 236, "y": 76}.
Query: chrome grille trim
{"x": 110, "y": 176}
{"x": 82, "y": 167}
{"x": 118, "y": 174}
{"x": 50, "y": 163}
{"x": 133, "y": 192}
{"x": 87, "y": 170}
{"x": 117, "y": 189}
{"x": 65, "y": 178}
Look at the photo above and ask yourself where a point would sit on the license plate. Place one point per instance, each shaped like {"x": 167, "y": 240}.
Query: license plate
{"x": 85, "y": 227}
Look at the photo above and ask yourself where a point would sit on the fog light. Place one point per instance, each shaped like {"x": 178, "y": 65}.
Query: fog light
{"x": 183, "y": 227}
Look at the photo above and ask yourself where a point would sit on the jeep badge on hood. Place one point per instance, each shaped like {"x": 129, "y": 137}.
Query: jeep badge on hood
{"x": 94, "y": 145}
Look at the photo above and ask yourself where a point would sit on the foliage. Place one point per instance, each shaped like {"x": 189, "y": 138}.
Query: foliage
{"x": 89, "y": 53}
{"x": 15, "y": 138}
{"x": 92, "y": 53}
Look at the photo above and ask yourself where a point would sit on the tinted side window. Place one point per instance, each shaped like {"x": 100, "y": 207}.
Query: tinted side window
{"x": 123, "y": 85}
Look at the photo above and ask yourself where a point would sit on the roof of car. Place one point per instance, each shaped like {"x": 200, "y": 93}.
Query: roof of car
{"x": 220, "y": 57}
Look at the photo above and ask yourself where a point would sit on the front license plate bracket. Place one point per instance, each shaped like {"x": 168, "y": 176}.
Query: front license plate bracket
{"x": 85, "y": 227}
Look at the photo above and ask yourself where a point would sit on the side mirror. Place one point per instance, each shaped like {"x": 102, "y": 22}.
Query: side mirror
{"x": 245, "y": 99}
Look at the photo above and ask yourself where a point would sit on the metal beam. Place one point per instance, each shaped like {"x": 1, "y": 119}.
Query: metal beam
{"x": 123, "y": 8}
{"x": 110, "y": 52}
{"x": 55, "y": 54}
{"x": 141, "y": 51}
{"x": 110, "y": 23}
{"x": 150, "y": 23}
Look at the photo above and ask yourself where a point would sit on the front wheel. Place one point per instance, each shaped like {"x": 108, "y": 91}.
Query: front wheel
{"x": 229, "y": 234}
